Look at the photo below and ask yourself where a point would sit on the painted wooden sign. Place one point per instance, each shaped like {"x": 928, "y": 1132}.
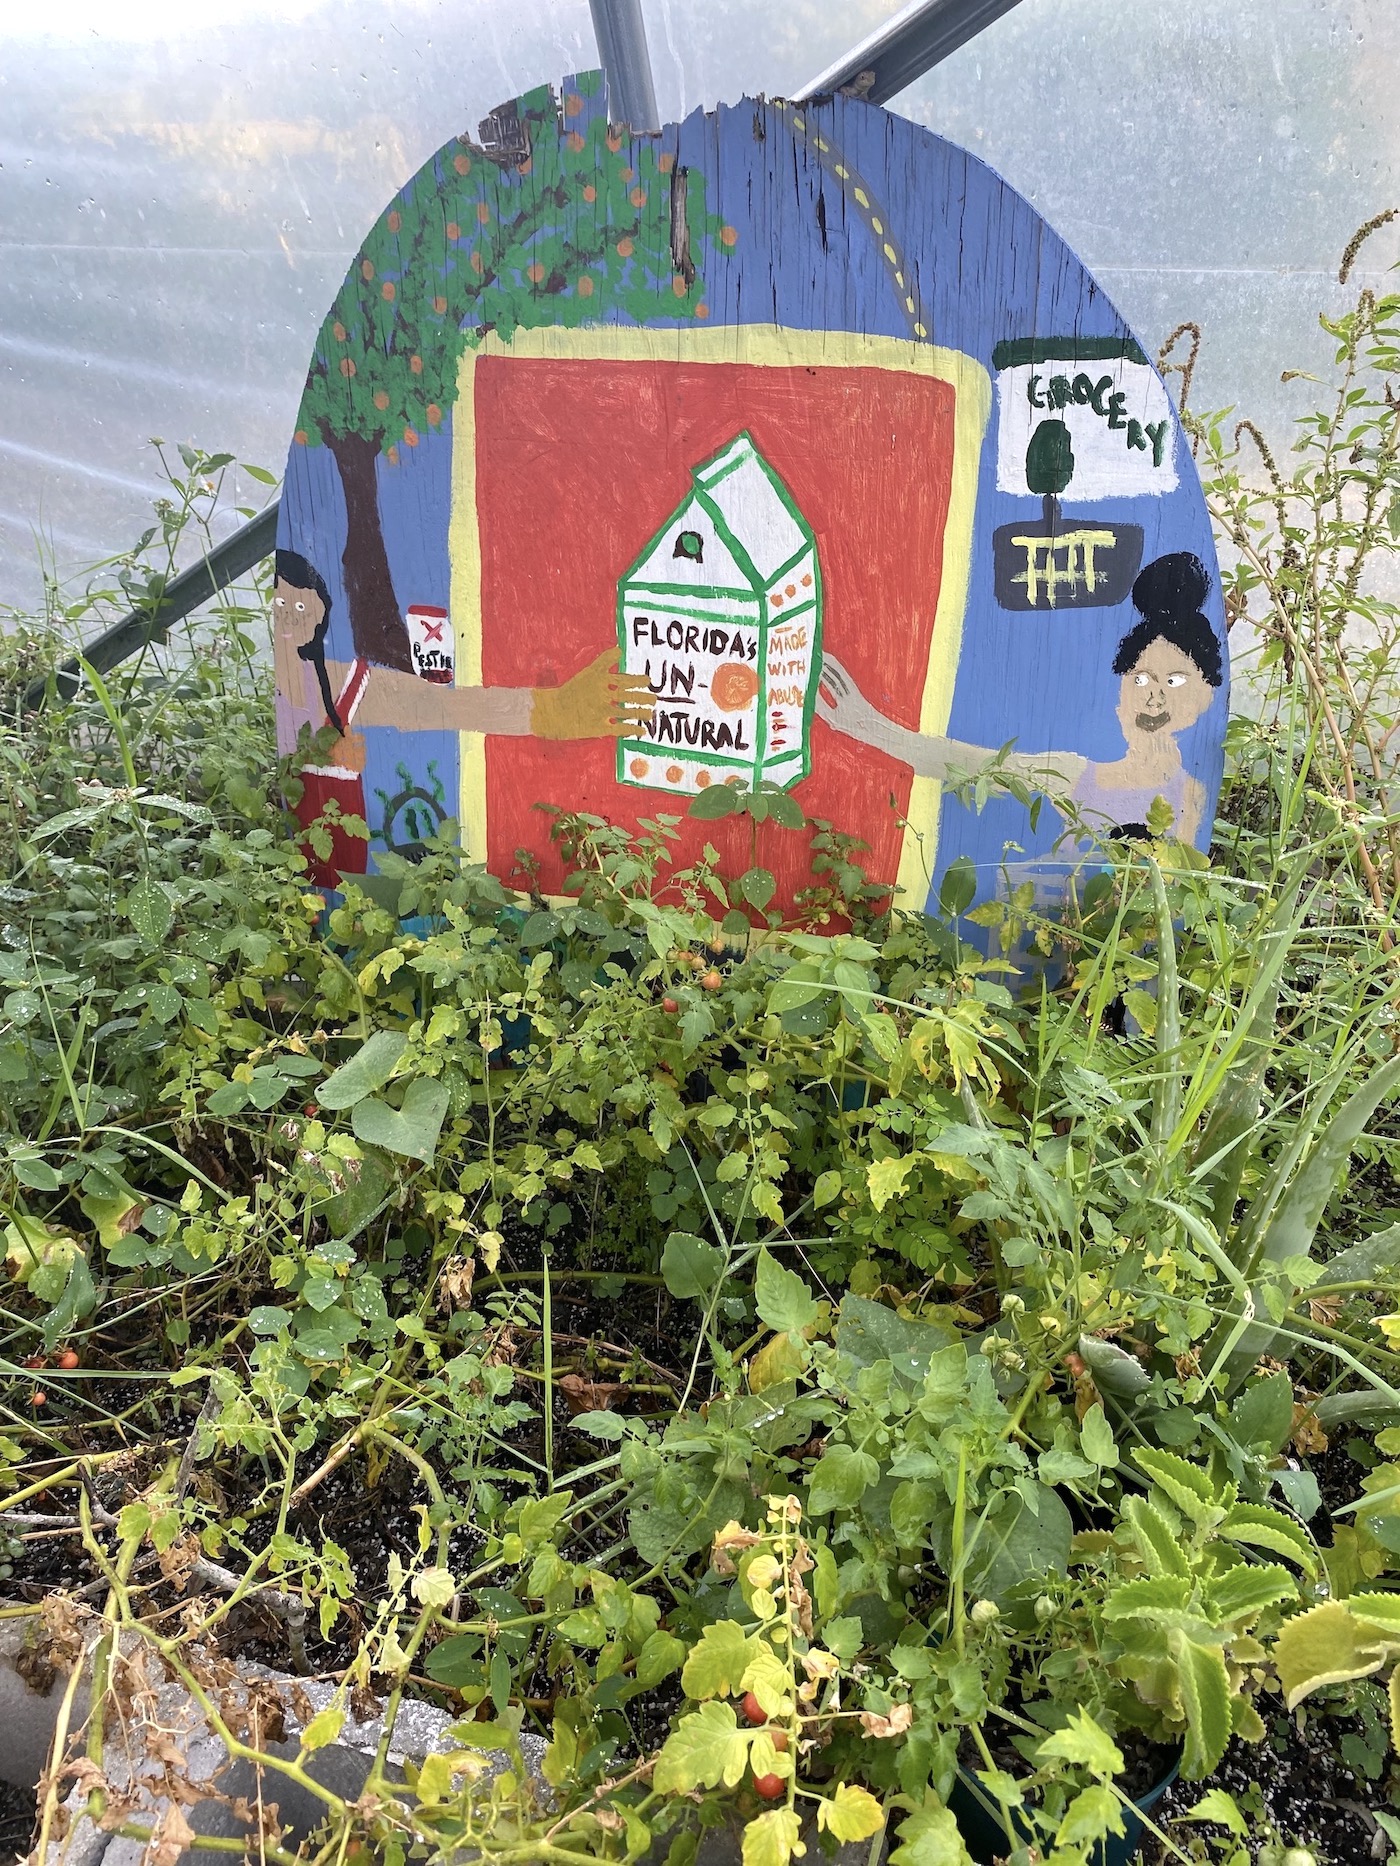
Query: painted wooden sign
{"x": 788, "y": 447}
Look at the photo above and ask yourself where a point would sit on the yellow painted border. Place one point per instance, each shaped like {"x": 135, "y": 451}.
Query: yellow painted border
{"x": 776, "y": 346}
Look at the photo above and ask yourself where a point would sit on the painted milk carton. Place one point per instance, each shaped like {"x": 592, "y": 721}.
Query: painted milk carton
{"x": 722, "y": 615}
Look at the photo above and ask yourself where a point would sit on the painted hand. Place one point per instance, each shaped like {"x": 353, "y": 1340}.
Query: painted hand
{"x": 845, "y": 708}
{"x": 599, "y": 702}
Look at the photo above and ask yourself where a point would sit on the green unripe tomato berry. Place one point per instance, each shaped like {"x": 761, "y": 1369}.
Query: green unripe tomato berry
{"x": 1044, "y": 1609}
{"x": 1298, "y": 1856}
{"x": 984, "y": 1612}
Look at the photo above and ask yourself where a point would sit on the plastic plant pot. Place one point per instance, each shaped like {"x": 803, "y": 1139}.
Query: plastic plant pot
{"x": 984, "y": 1833}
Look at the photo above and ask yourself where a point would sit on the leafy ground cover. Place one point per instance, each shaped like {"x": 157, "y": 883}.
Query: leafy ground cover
{"x": 803, "y": 1371}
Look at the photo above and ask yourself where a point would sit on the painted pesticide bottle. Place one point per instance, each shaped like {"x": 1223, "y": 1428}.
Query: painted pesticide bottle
{"x": 722, "y": 615}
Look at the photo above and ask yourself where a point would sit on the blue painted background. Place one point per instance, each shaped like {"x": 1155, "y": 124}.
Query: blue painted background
{"x": 987, "y": 268}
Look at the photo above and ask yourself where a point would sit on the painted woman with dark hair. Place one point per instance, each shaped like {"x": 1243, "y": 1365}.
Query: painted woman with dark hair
{"x": 1168, "y": 664}
{"x": 597, "y": 702}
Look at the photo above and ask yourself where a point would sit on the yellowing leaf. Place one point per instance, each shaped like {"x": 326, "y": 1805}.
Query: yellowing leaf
{"x": 705, "y": 1749}
{"x": 324, "y": 1727}
{"x": 930, "y": 1837}
{"x": 1084, "y": 1741}
{"x": 1325, "y": 1646}
{"x": 773, "y": 1838}
{"x": 885, "y": 1179}
{"x": 851, "y": 1814}
{"x": 1092, "y": 1815}
{"x": 769, "y": 1680}
{"x": 30, "y": 1245}
{"x": 781, "y": 1358}
{"x": 718, "y": 1661}
{"x": 434, "y": 1587}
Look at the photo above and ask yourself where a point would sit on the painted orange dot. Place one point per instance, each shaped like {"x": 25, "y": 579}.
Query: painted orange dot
{"x": 573, "y": 142}
{"x": 665, "y": 163}
{"x": 415, "y": 363}
{"x": 439, "y": 305}
{"x": 638, "y": 197}
{"x": 393, "y": 456}
{"x": 483, "y": 212}
{"x": 395, "y": 220}
{"x": 702, "y": 780}
{"x": 347, "y": 365}
{"x": 339, "y": 330}
{"x": 776, "y": 599}
{"x": 434, "y": 414}
{"x": 624, "y": 249}
{"x": 534, "y": 273}
{"x": 527, "y": 165}
{"x": 585, "y": 288}
{"x": 638, "y": 767}
{"x": 807, "y": 580}
{"x": 366, "y": 269}
{"x": 614, "y": 142}
{"x": 629, "y": 174}
{"x": 791, "y": 590}
{"x": 454, "y": 232}
{"x": 736, "y": 779}
{"x": 410, "y": 438}
{"x": 590, "y": 193}
{"x": 679, "y": 286}
{"x": 733, "y": 686}
{"x": 476, "y": 262}
{"x": 702, "y": 310}
{"x": 729, "y": 236}
{"x": 462, "y": 164}
{"x": 573, "y": 105}
{"x": 301, "y": 437}
{"x": 387, "y": 290}
{"x": 674, "y": 774}
{"x": 381, "y": 399}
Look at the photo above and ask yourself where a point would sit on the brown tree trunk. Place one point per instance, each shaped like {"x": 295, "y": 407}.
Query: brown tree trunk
{"x": 375, "y": 622}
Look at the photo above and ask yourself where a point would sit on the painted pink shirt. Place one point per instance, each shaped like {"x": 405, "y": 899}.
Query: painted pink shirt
{"x": 1104, "y": 807}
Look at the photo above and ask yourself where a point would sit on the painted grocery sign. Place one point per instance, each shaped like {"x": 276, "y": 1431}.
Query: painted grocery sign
{"x": 786, "y": 448}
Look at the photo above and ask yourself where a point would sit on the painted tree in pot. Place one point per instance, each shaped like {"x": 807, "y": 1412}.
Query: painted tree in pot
{"x": 560, "y": 220}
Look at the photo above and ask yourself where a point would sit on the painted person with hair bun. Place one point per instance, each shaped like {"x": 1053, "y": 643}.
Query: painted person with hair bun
{"x": 1168, "y": 666}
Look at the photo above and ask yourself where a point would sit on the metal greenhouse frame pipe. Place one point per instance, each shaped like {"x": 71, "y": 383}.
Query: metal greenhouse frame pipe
{"x": 918, "y": 37}
{"x": 621, "y": 33}
{"x": 153, "y": 621}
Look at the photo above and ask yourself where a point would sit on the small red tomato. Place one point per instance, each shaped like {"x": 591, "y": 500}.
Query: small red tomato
{"x": 40, "y": 1399}
{"x": 770, "y": 1787}
{"x": 1075, "y": 1364}
{"x": 670, "y": 1006}
{"x": 712, "y": 980}
{"x": 36, "y": 1360}
{"x": 753, "y": 1710}
{"x": 780, "y": 1741}
{"x": 310, "y": 1108}
{"x": 68, "y": 1360}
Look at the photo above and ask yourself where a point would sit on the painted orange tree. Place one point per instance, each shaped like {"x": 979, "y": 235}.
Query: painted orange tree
{"x": 577, "y": 224}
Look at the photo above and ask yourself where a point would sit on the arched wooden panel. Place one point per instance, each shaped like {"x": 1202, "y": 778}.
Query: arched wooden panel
{"x": 789, "y": 446}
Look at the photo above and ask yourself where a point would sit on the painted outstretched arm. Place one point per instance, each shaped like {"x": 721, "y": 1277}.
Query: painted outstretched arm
{"x": 845, "y": 708}
{"x": 598, "y": 702}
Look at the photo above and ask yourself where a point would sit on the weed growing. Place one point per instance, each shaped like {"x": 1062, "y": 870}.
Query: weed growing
{"x": 817, "y": 1383}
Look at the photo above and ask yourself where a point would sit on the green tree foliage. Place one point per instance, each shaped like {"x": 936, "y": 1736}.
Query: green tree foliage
{"x": 575, "y": 233}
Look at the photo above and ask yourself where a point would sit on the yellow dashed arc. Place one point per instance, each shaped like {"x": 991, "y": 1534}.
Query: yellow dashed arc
{"x": 857, "y": 190}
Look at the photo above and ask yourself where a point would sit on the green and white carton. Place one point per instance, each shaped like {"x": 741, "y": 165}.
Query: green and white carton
{"x": 722, "y": 614}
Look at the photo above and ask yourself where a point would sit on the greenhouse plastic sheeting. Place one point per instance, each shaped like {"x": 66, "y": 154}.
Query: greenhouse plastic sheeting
{"x": 182, "y": 187}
